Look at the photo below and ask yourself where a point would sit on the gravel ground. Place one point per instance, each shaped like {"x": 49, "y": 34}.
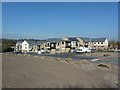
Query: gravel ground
{"x": 21, "y": 71}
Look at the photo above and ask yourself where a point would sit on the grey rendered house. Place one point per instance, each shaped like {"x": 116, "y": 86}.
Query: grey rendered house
{"x": 85, "y": 42}
{"x": 58, "y": 45}
{"x": 74, "y": 43}
{"x": 37, "y": 46}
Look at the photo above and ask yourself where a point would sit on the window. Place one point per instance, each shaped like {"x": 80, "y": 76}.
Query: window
{"x": 76, "y": 43}
{"x": 98, "y": 43}
{"x": 52, "y": 45}
{"x": 48, "y": 44}
{"x": 86, "y": 43}
{"x": 25, "y": 44}
{"x": 72, "y": 48}
{"x": 80, "y": 49}
{"x": 94, "y": 42}
{"x": 57, "y": 49}
{"x": 25, "y": 47}
{"x": 62, "y": 42}
{"x": 48, "y": 48}
{"x": 101, "y": 42}
{"x": 69, "y": 44}
{"x": 58, "y": 44}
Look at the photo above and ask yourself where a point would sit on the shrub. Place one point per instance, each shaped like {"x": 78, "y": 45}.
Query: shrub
{"x": 106, "y": 55}
{"x": 105, "y": 65}
{"x": 68, "y": 60}
{"x": 57, "y": 59}
{"x": 82, "y": 62}
{"x": 6, "y": 48}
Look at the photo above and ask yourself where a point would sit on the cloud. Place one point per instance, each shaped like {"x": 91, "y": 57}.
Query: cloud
{"x": 28, "y": 35}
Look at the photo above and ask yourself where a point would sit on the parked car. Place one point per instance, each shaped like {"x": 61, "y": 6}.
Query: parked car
{"x": 83, "y": 50}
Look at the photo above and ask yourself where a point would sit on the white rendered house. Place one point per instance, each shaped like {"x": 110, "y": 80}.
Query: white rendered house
{"x": 26, "y": 46}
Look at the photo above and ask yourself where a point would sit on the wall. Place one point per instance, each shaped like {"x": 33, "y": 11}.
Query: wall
{"x": 25, "y": 47}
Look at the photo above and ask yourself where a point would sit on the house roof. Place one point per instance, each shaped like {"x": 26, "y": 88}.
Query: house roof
{"x": 30, "y": 42}
{"x": 53, "y": 40}
{"x": 98, "y": 39}
{"x": 38, "y": 43}
{"x": 85, "y": 39}
{"x": 73, "y": 39}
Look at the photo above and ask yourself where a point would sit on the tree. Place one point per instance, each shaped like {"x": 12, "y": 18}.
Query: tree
{"x": 113, "y": 44}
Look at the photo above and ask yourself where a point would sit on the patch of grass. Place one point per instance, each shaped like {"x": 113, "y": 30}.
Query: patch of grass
{"x": 68, "y": 60}
{"x": 105, "y": 65}
{"x": 82, "y": 62}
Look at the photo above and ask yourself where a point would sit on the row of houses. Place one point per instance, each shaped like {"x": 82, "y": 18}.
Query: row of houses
{"x": 61, "y": 45}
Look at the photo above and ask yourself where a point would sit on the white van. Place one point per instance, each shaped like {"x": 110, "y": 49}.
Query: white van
{"x": 83, "y": 50}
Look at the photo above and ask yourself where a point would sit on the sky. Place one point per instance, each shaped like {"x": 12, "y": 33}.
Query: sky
{"x": 42, "y": 20}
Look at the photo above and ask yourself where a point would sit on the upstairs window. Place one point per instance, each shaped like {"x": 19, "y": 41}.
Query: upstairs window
{"x": 52, "y": 45}
{"x": 101, "y": 42}
{"x": 76, "y": 43}
{"x": 48, "y": 45}
{"x": 98, "y": 42}
{"x": 86, "y": 43}
{"x": 69, "y": 44}
{"x": 62, "y": 42}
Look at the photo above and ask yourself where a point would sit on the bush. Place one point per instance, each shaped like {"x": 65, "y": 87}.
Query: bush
{"x": 6, "y": 48}
{"x": 68, "y": 60}
{"x": 82, "y": 62}
{"x": 106, "y": 55}
{"x": 57, "y": 59}
{"x": 105, "y": 65}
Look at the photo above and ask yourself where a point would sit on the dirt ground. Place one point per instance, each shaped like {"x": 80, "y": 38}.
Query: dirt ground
{"x": 42, "y": 72}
